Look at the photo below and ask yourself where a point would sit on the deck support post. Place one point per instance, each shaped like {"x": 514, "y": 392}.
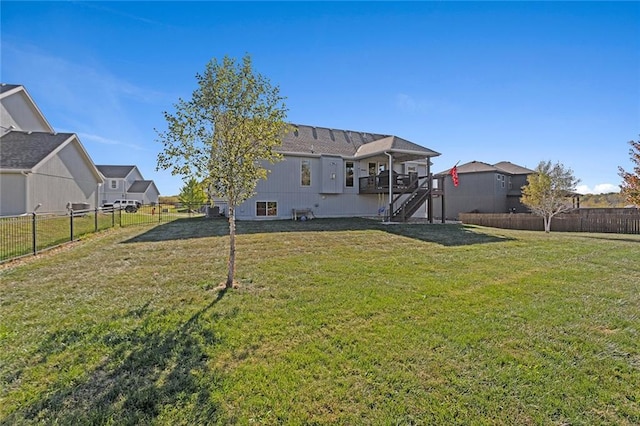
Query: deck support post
{"x": 390, "y": 185}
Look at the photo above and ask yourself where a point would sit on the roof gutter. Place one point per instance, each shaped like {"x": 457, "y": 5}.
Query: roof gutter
{"x": 17, "y": 171}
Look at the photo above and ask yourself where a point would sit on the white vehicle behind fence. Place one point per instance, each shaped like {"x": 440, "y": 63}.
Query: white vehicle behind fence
{"x": 129, "y": 206}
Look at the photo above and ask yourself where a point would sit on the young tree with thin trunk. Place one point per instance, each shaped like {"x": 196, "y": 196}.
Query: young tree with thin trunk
{"x": 630, "y": 187}
{"x": 225, "y": 134}
{"x": 548, "y": 190}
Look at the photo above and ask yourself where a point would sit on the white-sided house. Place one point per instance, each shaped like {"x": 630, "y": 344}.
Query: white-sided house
{"x": 45, "y": 171}
{"x": 339, "y": 173}
{"x": 126, "y": 182}
{"x": 40, "y": 169}
{"x": 19, "y": 112}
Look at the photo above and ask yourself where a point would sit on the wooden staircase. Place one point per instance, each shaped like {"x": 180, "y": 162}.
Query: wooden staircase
{"x": 416, "y": 198}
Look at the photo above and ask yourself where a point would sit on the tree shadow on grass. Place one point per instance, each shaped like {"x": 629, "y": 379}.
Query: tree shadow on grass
{"x": 150, "y": 372}
{"x": 443, "y": 234}
{"x": 613, "y": 238}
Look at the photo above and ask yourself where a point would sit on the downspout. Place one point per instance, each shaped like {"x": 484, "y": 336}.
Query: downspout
{"x": 390, "y": 185}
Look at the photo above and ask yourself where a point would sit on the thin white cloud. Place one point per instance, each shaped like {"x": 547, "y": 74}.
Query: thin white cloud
{"x": 107, "y": 141}
{"x": 415, "y": 105}
{"x": 601, "y": 188}
{"x": 410, "y": 104}
{"x": 80, "y": 95}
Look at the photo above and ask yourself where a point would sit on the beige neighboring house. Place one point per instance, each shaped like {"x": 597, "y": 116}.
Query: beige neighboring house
{"x": 126, "y": 183}
{"x": 40, "y": 170}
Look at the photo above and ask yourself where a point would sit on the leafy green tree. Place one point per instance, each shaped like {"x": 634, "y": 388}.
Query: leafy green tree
{"x": 192, "y": 194}
{"x": 630, "y": 186}
{"x": 548, "y": 190}
{"x": 226, "y": 133}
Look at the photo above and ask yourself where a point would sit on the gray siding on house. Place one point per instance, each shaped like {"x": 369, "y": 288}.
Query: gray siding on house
{"x": 17, "y": 109}
{"x": 145, "y": 191}
{"x": 484, "y": 188}
{"x": 327, "y": 196}
{"x": 331, "y": 175}
{"x": 122, "y": 177}
{"x": 515, "y": 192}
{"x": 476, "y": 192}
{"x": 328, "y": 151}
{"x": 65, "y": 177}
{"x": 55, "y": 171}
{"x": 13, "y": 193}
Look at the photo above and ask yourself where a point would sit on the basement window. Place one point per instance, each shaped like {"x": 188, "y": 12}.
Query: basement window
{"x": 266, "y": 208}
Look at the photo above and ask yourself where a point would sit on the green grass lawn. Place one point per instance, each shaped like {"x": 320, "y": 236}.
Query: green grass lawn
{"x": 335, "y": 322}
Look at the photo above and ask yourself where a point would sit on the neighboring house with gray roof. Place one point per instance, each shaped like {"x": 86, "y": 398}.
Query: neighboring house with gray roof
{"x": 45, "y": 171}
{"x": 40, "y": 169}
{"x": 339, "y": 173}
{"x": 484, "y": 188}
{"x": 126, "y": 182}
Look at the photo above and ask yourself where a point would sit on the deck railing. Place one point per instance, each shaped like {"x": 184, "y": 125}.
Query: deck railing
{"x": 380, "y": 183}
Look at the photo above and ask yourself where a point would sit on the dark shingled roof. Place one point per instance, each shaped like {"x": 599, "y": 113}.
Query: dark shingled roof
{"x": 4, "y": 87}
{"x": 115, "y": 172}
{"x": 347, "y": 143}
{"x": 140, "y": 186}
{"x": 513, "y": 169}
{"x": 24, "y": 150}
{"x": 480, "y": 167}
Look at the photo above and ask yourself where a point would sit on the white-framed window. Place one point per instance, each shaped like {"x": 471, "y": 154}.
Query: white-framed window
{"x": 348, "y": 174}
{"x": 501, "y": 179}
{"x": 114, "y": 184}
{"x": 266, "y": 208}
{"x": 305, "y": 172}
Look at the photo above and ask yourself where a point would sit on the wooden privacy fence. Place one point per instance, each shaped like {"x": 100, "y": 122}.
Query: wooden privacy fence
{"x": 618, "y": 221}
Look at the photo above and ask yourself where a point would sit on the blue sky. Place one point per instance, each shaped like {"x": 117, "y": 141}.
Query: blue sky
{"x": 514, "y": 81}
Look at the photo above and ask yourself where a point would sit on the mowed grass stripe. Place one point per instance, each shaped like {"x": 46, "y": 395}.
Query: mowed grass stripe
{"x": 335, "y": 322}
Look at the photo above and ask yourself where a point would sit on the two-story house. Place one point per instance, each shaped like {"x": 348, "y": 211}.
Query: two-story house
{"x": 484, "y": 188}
{"x": 40, "y": 169}
{"x": 126, "y": 183}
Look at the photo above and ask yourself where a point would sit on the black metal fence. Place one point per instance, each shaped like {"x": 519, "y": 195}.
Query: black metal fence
{"x": 32, "y": 233}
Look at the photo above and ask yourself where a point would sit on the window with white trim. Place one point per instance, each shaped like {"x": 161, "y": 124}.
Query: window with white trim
{"x": 114, "y": 184}
{"x": 266, "y": 208}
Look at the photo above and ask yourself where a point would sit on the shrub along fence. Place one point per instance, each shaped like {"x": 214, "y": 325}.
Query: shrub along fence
{"x": 618, "y": 221}
{"x": 34, "y": 232}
